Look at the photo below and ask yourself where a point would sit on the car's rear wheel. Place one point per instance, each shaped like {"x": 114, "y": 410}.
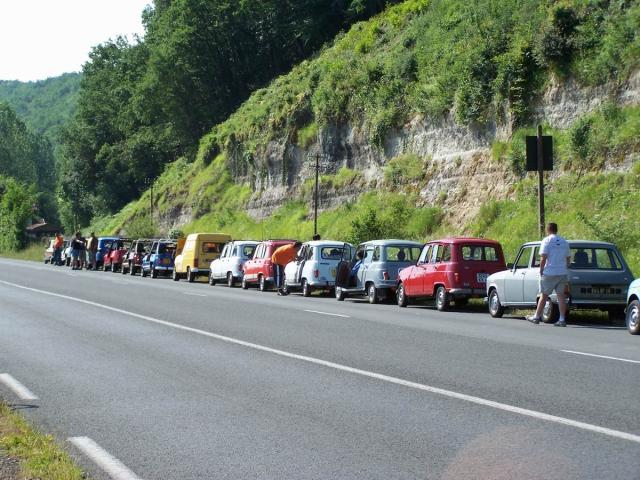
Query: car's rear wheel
{"x": 262, "y": 283}
{"x": 550, "y": 312}
{"x": 372, "y": 294}
{"x": 401, "y": 296}
{"x": 212, "y": 281}
{"x": 496, "y": 310}
{"x": 231, "y": 282}
{"x": 245, "y": 285}
{"x": 191, "y": 276}
{"x": 340, "y": 295}
{"x": 633, "y": 317}
{"x": 306, "y": 288}
{"x": 174, "y": 275}
{"x": 143, "y": 272}
{"x": 154, "y": 272}
{"x": 442, "y": 299}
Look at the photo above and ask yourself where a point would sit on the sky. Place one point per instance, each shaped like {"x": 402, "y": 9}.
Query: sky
{"x": 45, "y": 38}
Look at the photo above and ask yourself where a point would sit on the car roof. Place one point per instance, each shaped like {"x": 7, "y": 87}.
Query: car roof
{"x": 245, "y": 242}
{"x": 392, "y": 241}
{"x": 326, "y": 243}
{"x": 279, "y": 241}
{"x": 594, "y": 243}
{"x": 464, "y": 240}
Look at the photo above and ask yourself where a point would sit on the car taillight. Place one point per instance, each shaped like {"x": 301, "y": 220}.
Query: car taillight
{"x": 456, "y": 277}
{"x": 195, "y": 263}
{"x": 316, "y": 273}
{"x": 385, "y": 275}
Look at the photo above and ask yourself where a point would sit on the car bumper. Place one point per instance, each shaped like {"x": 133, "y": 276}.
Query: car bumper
{"x": 322, "y": 284}
{"x": 468, "y": 292}
{"x": 164, "y": 268}
{"x": 199, "y": 271}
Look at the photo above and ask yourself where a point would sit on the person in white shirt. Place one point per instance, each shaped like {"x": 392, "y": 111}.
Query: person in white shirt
{"x": 555, "y": 258}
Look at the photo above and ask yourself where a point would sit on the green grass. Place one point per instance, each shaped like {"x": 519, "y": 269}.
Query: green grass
{"x": 34, "y": 252}
{"x": 39, "y": 455}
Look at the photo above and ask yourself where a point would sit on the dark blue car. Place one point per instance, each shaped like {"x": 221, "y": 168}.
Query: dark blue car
{"x": 104, "y": 244}
{"x": 159, "y": 260}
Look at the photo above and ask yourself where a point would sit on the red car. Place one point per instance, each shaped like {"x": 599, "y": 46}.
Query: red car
{"x": 451, "y": 269}
{"x": 114, "y": 256}
{"x": 260, "y": 269}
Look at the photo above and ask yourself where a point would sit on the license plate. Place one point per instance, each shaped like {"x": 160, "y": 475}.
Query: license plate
{"x": 482, "y": 277}
{"x": 333, "y": 272}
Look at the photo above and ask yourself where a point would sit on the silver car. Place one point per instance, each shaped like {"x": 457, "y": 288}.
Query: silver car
{"x": 598, "y": 280}
{"x": 377, "y": 275}
{"x": 229, "y": 266}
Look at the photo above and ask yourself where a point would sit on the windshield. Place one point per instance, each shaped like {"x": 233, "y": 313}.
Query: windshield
{"x": 400, "y": 253}
{"x": 602, "y": 258}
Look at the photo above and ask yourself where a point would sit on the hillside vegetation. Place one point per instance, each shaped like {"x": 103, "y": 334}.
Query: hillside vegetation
{"x": 482, "y": 62}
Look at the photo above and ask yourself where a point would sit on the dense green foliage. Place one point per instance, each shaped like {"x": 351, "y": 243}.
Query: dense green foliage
{"x": 46, "y": 105}
{"x": 27, "y": 179}
{"x": 143, "y": 104}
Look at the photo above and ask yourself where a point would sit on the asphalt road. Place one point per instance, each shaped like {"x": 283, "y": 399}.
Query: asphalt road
{"x": 187, "y": 381}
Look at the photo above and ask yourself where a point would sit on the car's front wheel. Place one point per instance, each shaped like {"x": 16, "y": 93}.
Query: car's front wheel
{"x": 496, "y": 310}
{"x": 262, "y": 283}
{"x": 212, "y": 281}
{"x": 340, "y": 295}
{"x": 633, "y": 317}
{"x": 191, "y": 276}
{"x": 245, "y": 285}
{"x": 231, "y": 282}
{"x": 442, "y": 299}
{"x": 143, "y": 273}
{"x": 550, "y": 312}
{"x": 372, "y": 294}
{"x": 154, "y": 272}
{"x": 401, "y": 296}
{"x": 174, "y": 275}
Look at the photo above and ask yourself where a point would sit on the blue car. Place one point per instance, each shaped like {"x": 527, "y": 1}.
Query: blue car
{"x": 104, "y": 244}
{"x": 633, "y": 308}
{"x": 159, "y": 259}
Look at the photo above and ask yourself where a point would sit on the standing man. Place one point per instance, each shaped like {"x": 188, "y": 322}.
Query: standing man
{"x": 280, "y": 258}
{"x": 92, "y": 250}
{"x": 76, "y": 250}
{"x": 58, "y": 243}
{"x": 555, "y": 258}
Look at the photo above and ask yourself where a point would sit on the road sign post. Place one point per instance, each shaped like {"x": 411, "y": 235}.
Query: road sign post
{"x": 540, "y": 159}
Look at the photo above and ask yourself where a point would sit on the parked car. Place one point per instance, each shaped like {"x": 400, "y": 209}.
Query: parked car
{"x": 598, "y": 279}
{"x": 114, "y": 256}
{"x": 136, "y": 251}
{"x": 200, "y": 249}
{"x": 377, "y": 276}
{"x": 450, "y": 269}
{"x": 159, "y": 258}
{"x": 230, "y": 266}
{"x": 104, "y": 246}
{"x": 259, "y": 270}
{"x": 316, "y": 266}
{"x": 48, "y": 252}
{"x": 633, "y": 308}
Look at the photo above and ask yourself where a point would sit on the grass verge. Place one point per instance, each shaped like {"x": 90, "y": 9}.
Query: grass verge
{"x": 34, "y": 253}
{"x": 39, "y": 456}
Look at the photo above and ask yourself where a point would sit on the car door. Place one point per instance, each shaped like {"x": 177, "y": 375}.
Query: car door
{"x": 343, "y": 270}
{"x": 361, "y": 276}
{"x": 531, "y": 282}
{"x": 415, "y": 285}
{"x": 514, "y": 282}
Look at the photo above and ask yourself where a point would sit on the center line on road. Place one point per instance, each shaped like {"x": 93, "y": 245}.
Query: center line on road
{"x": 327, "y": 313}
{"x": 195, "y": 294}
{"x": 16, "y": 387}
{"x": 107, "y": 462}
{"x": 601, "y": 356}
{"x": 356, "y": 371}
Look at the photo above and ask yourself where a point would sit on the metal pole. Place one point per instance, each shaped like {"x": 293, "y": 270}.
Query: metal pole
{"x": 315, "y": 202}
{"x": 151, "y": 199}
{"x": 541, "y": 221}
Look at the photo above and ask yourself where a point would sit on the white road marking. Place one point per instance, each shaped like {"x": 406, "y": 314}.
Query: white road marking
{"x": 195, "y": 294}
{"x": 601, "y": 356}
{"x": 327, "y": 313}
{"x": 107, "y": 462}
{"x": 356, "y": 371}
{"x": 19, "y": 389}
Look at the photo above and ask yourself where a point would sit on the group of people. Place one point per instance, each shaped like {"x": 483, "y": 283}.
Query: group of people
{"x": 82, "y": 251}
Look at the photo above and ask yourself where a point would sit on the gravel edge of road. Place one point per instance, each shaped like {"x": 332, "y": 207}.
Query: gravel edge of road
{"x": 26, "y": 453}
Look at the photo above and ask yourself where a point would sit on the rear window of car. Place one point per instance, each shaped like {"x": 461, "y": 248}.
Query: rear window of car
{"x": 331, "y": 253}
{"x": 399, "y": 253}
{"x": 166, "y": 248}
{"x": 595, "y": 259}
{"x": 212, "y": 247}
{"x": 479, "y": 253}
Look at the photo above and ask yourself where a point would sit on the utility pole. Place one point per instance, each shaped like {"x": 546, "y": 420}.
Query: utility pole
{"x": 541, "y": 222}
